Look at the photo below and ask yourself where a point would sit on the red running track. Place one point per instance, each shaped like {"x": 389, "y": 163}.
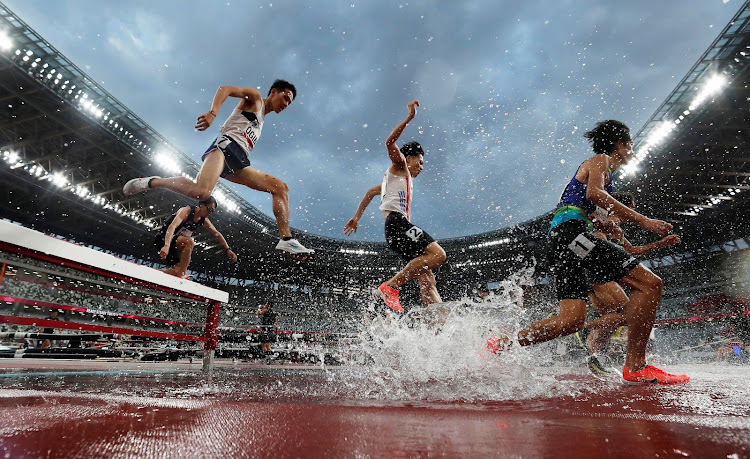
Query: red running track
{"x": 163, "y": 410}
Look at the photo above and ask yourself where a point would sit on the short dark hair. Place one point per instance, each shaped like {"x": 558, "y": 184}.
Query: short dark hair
{"x": 412, "y": 149}
{"x": 624, "y": 197}
{"x": 209, "y": 200}
{"x": 606, "y": 134}
{"x": 283, "y": 85}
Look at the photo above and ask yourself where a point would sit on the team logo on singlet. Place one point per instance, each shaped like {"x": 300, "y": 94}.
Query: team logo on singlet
{"x": 402, "y": 200}
{"x": 251, "y": 132}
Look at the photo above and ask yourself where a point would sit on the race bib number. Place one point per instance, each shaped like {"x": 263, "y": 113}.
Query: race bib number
{"x": 581, "y": 246}
{"x": 223, "y": 141}
{"x": 414, "y": 233}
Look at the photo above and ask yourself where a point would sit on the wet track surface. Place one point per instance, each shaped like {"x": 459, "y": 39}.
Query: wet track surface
{"x": 247, "y": 410}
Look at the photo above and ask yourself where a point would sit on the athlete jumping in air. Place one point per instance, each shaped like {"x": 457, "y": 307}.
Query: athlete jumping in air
{"x": 415, "y": 246}
{"x": 228, "y": 156}
{"x": 574, "y": 250}
{"x": 175, "y": 239}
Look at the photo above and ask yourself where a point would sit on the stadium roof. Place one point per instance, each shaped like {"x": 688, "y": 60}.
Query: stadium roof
{"x": 693, "y": 165}
{"x": 67, "y": 146}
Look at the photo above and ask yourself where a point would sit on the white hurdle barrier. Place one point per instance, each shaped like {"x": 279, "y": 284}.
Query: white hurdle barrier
{"x": 67, "y": 265}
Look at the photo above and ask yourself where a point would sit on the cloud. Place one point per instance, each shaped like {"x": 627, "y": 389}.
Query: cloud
{"x": 507, "y": 89}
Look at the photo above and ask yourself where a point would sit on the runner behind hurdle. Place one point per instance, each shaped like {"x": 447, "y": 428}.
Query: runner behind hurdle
{"x": 175, "y": 239}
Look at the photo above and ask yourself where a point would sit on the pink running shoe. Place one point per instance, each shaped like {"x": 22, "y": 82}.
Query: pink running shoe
{"x": 497, "y": 344}
{"x": 651, "y": 374}
{"x": 389, "y": 295}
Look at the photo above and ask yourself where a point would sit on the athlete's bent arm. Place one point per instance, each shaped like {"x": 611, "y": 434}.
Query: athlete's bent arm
{"x": 249, "y": 95}
{"x": 595, "y": 192}
{"x": 179, "y": 217}
{"x": 672, "y": 239}
{"x": 219, "y": 237}
{"x": 351, "y": 226}
{"x": 397, "y": 158}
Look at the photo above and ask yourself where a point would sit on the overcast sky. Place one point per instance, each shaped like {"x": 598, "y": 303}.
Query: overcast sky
{"x": 506, "y": 89}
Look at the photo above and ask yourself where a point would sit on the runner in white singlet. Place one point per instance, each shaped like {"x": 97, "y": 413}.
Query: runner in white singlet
{"x": 415, "y": 246}
{"x": 229, "y": 155}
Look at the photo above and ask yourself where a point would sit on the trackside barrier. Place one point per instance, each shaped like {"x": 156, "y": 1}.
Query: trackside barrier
{"x": 98, "y": 292}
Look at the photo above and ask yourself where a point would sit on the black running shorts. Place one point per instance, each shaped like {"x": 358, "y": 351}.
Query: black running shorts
{"x": 173, "y": 256}
{"x": 404, "y": 238}
{"x": 574, "y": 252}
{"x": 235, "y": 158}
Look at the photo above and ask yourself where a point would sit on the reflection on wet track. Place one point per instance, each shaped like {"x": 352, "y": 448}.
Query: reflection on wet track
{"x": 254, "y": 410}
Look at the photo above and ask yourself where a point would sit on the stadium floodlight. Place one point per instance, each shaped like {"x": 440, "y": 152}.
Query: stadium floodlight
{"x": 81, "y": 191}
{"x": 660, "y": 132}
{"x": 11, "y": 157}
{"x": 357, "y": 251}
{"x": 5, "y": 42}
{"x": 225, "y": 201}
{"x": 490, "y": 243}
{"x": 58, "y": 178}
{"x": 166, "y": 162}
{"x": 713, "y": 85}
{"x": 630, "y": 169}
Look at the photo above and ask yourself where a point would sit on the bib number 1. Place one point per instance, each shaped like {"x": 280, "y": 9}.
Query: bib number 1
{"x": 581, "y": 246}
{"x": 223, "y": 142}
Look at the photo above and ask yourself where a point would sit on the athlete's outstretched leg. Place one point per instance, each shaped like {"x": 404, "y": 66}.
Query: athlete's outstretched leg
{"x": 570, "y": 319}
{"x": 201, "y": 189}
{"x": 640, "y": 313}
{"x": 260, "y": 181}
{"x": 609, "y": 301}
{"x": 428, "y": 288}
{"x": 418, "y": 268}
{"x": 434, "y": 256}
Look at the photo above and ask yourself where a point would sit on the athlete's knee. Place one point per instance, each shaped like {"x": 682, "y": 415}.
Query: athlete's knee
{"x": 657, "y": 284}
{"x": 573, "y": 314}
{"x": 441, "y": 256}
{"x": 576, "y": 321}
{"x": 201, "y": 193}
{"x": 653, "y": 283}
{"x": 189, "y": 243}
{"x": 280, "y": 188}
{"x": 438, "y": 253}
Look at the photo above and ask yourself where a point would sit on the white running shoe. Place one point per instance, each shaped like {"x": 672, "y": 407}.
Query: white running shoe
{"x": 137, "y": 185}
{"x": 293, "y": 246}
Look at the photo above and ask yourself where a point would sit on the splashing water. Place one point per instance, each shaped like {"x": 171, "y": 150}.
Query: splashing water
{"x": 440, "y": 353}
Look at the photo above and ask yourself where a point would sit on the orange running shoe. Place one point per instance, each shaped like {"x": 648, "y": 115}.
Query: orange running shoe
{"x": 389, "y": 295}
{"x": 498, "y": 343}
{"x": 651, "y": 374}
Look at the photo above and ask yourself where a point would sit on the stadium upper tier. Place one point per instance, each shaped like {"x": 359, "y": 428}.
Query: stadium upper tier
{"x": 67, "y": 146}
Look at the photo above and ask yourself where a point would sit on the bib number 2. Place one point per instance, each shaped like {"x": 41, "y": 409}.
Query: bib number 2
{"x": 414, "y": 233}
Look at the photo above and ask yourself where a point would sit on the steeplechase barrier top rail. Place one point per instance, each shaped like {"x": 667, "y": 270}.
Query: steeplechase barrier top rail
{"x": 16, "y": 239}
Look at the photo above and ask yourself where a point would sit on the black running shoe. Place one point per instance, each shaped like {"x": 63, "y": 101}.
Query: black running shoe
{"x": 596, "y": 366}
